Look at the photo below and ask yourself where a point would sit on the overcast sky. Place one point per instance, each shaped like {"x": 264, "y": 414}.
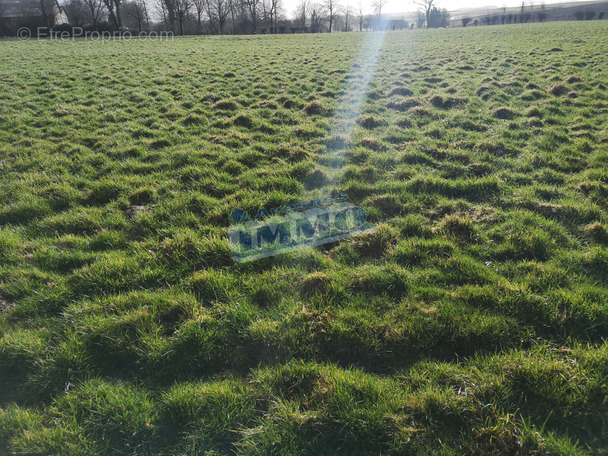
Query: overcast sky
{"x": 399, "y": 6}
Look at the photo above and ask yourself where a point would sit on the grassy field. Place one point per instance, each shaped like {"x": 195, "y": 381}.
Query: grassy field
{"x": 472, "y": 321}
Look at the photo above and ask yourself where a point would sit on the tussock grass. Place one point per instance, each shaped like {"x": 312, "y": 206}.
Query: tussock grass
{"x": 471, "y": 321}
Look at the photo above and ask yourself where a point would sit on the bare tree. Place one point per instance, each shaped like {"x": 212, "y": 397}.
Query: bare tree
{"x": 348, "y": 13}
{"x": 170, "y": 6}
{"x": 531, "y": 3}
{"x": 95, "y": 10}
{"x": 302, "y": 13}
{"x": 161, "y": 10}
{"x": 360, "y": 16}
{"x": 331, "y": 7}
{"x": 378, "y": 5}
{"x": 114, "y": 8}
{"x": 427, "y": 6}
{"x": 3, "y": 8}
{"x": 182, "y": 13}
{"x": 275, "y": 11}
{"x": 316, "y": 17}
{"x": 3, "y": 12}
{"x": 270, "y": 10}
{"x": 199, "y": 10}
{"x": 44, "y": 8}
{"x": 76, "y": 12}
{"x": 420, "y": 19}
{"x": 137, "y": 11}
{"x": 253, "y": 7}
{"x": 218, "y": 12}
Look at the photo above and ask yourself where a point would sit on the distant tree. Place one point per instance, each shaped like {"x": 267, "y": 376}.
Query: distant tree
{"x": 171, "y": 8}
{"x": 274, "y": 11}
{"x": 331, "y": 6}
{"x": 541, "y": 17}
{"x": 137, "y": 13}
{"x": 114, "y": 8}
{"x": 95, "y": 11}
{"x": 3, "y": 9}
{"x": 378, "y": 5}
{"x": 252, "y": 7}
{"x": 531, "y": 3}
{"x": 465, "y": 21}
{"x": 44, "y": 8}
{"x": 589, "y": 15}
{"x": 579, "y": 15}
{"x": 601, "y": 16}
{"x": 427, "y": 7}
{"x": 420, "y": 19}
{"x": 184, "y": 8}
{"x": 360, "y": 16}
{"x": 348, "y": 14}
{"x": 437, "y": 18}
{"x": 302, "y": 13}
{"x": 218, "y": 12}
{"x": 199, "y": 10}
{"x": 316, "y": 17}
{"x": 76, "y": 11}
{"x": 445, "y": 17}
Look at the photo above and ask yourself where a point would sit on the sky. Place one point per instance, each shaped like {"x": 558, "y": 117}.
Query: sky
{"x": 400, "y": 6}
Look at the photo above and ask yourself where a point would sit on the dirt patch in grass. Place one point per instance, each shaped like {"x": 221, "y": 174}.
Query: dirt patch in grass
{"x": 558, "y": 90}
{"x": 5, "y": 305}
{"x": 598, "y": 232}
{"x": 403, "y": 104}
{"x": 134, "y": 210}
{"x": 314, "y": 107}
{"x": 447, "y": 103}
{"x": 401, "y": 91}
{"x": 369, "y": 122}
{"x": 504, "y": 114}
{"x": 437, "y": 101}
{"x": 419, "y": 111}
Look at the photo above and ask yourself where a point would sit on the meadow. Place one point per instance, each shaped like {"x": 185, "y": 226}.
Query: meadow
{"x": 472, "y": 321}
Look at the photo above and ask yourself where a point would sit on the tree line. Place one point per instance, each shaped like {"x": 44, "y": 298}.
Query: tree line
{"x": 184, "y": 17}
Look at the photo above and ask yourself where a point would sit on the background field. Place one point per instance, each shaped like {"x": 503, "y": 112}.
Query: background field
{"x": 473, "y": 321}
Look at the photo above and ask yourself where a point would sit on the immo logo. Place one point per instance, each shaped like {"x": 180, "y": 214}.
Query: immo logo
{"x": 293, "y": 227}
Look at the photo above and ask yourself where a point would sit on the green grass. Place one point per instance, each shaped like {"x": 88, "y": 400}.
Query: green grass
{"x": 473, "y": 321}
